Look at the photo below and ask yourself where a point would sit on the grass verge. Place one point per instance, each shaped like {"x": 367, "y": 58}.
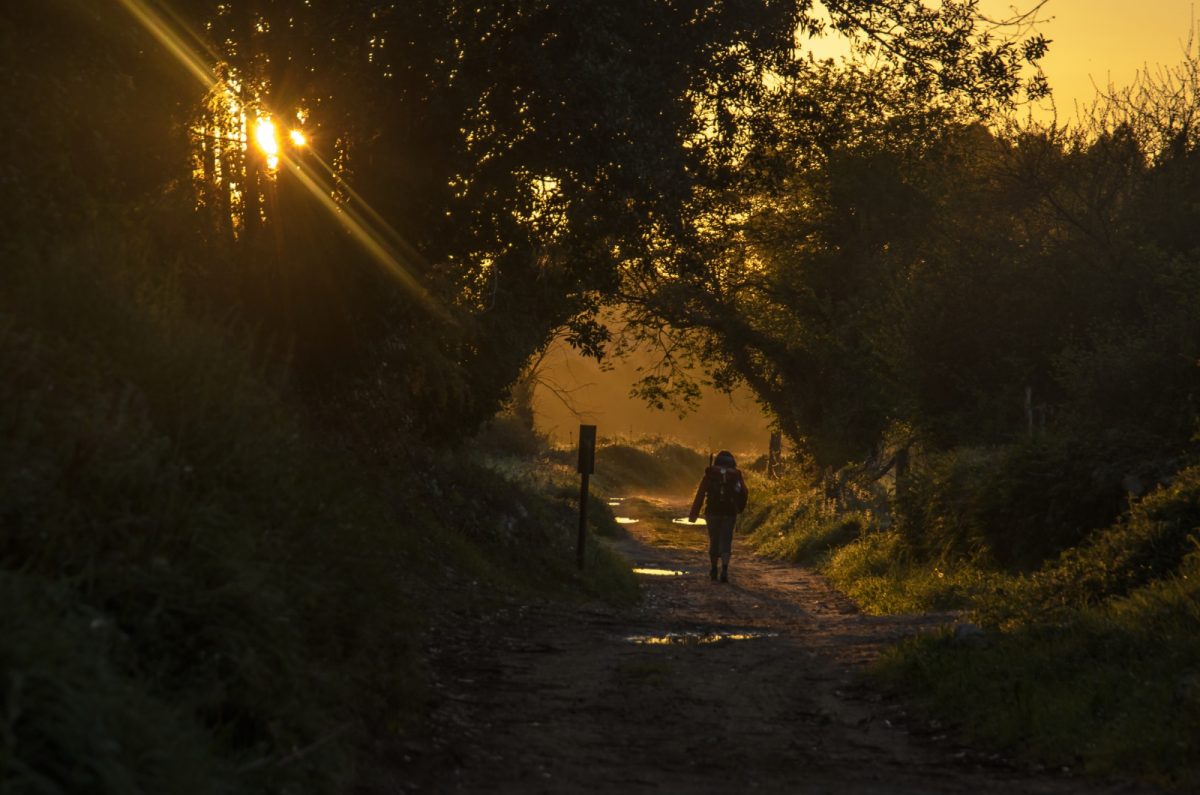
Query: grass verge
{"x": 1092, "y": 661}
{"x": 199, "y": 591}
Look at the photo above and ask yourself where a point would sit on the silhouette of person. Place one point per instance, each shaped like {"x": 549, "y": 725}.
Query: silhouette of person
{"x": 723, "y": 495}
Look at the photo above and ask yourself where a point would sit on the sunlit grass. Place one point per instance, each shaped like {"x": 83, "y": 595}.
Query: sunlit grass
{"x": 881, "y": 577}
{"x": 1114, "y": 688}
{"x": 1089, "y": 662}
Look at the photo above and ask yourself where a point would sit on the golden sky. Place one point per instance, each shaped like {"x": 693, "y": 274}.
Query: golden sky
{"x": 1094, "y": 43}
{"x": 1098, "y": 42}
{"x": 602, "y": 398}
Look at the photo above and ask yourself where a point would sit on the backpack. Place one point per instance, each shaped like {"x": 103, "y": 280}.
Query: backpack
{"x": 726, "y": 494}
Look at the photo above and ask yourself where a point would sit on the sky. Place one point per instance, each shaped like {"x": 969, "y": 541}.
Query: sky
{"x": 1094, "y": 43}
{"x": 602, "y": 398}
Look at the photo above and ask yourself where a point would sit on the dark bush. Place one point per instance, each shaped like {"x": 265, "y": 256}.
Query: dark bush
{"x": 1016, "y": 505}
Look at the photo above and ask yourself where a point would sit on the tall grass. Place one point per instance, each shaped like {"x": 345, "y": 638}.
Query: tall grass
{"x": 157, "y": 483}
{"x": 1091, "y": 660}
{"x": 199, "y": 591}
{"x": 791, "y": 521}
{"x": 75, "y": 719}
{"x": 648, "y": 466}
{"x": 1112, "y": 688}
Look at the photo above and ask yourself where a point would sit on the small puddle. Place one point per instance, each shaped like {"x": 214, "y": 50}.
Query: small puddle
{"x": 626, "y": 520}
{"x": 660, "y": 572}
{"x": 684, "y": 520}
{"x": 697, "y": 638}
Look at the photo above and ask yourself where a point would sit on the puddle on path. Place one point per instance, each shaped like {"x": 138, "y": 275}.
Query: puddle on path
{"x": 626, "y": 520}
{"x": 659, "y": 572}
{"x": 697, "y": 638}
{"x": 684, "y": 520}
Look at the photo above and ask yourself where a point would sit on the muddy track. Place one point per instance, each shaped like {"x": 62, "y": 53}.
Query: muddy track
{"x": 754, "y": 685}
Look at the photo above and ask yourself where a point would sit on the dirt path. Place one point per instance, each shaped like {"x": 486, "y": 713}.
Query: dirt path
{"x": 704, "y": 687}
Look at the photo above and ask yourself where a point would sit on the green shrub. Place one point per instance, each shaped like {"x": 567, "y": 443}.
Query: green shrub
{"x": 1017, "y": 505}
{"x": 1146, "y": 545}
{"x": 506, "y": 435}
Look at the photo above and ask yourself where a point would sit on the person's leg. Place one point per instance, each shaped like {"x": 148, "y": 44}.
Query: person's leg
{"x": 722, "y": 531}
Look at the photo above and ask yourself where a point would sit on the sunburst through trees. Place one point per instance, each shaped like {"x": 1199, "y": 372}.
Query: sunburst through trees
{"x": 237, "y": 145}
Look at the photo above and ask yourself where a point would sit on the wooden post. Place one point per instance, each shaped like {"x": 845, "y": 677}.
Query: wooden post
{"x": 775, "y": 454}
{"x": 583, "y": 506}
{"x": 587, "y": 465}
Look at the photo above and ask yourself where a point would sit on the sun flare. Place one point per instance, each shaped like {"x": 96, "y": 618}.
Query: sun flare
{"x": 267, "y": 140}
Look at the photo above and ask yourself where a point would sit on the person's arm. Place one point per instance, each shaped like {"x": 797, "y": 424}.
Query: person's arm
{"x": 745, "y": 497}
{"x": 699, "y": 501}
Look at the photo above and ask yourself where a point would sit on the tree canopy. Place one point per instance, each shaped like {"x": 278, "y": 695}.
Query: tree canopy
{"x": 521, "y": 164}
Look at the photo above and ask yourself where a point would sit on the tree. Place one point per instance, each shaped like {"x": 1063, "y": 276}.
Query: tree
{"x": 811, "y": 256}
{"x": 520, "y": 163}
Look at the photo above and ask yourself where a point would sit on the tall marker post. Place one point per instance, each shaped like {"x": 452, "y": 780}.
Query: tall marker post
{"x": 587, "y": 465}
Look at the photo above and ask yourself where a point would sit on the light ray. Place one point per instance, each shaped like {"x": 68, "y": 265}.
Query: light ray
{"x": 377, "y": 220}
{"x": 370, "y": 240}
{"x": 171, "y": 41}
{"x": 372, "y": 233}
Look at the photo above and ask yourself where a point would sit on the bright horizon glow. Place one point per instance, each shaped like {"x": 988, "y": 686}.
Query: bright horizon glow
{"x": 1094, "y": 44}
{"x": 1098, "y": 43}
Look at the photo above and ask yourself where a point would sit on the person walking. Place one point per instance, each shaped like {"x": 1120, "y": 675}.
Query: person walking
{"x": 723, "y": 495}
